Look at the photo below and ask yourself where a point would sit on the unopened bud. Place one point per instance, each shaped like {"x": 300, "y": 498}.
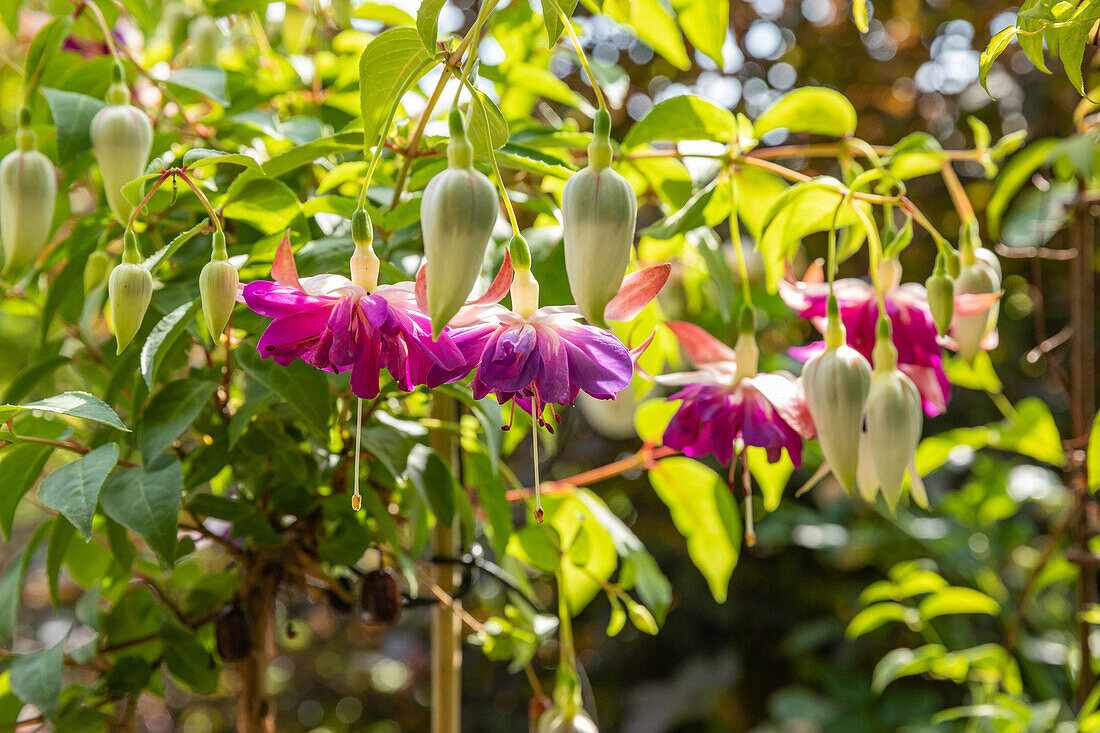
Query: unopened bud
{"x": 836, "y": 383}
{"x": 972, "y": 323}
{"x": 941, "y": 295}
{"x": 130, "y": 289}
{"x": 28, "y": 189}
{"x": 893, "y": 419}
{"x": 218, "y": 284}
{"x": 95, "y": 270}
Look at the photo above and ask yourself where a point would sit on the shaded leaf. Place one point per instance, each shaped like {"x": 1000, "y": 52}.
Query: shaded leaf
{"x": 146, "y": 501}
{"x": 74, "y": 488}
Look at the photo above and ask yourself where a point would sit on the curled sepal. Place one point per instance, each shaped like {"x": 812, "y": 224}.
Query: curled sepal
{"x": 977, "y": 290}
{"x": 218, "y": 284}
{"x": 28, "y": 189}
{"x": 941, "y": 295}
{"x": 892, "y": 426}
{"x": 598, "y": 210}
{"x": 837, "y": 382}
{"x": 130, "y": 289}
{"x": 636, "y": 291}
{"x": 122, "y": 138}
{"x": 457, "y": 216}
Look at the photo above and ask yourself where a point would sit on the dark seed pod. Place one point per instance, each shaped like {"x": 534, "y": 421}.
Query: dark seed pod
{"x": 337, "y": 601}
{"x": 234, "y": 639}
{"x": 380, "y": 598}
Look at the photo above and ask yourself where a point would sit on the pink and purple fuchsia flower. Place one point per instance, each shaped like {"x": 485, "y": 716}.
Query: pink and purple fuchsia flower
{"x": 920, "y": 353}
{"x": 725, "y": 402}
{"x": 547, "y": 358}
{"x": 335, "y": 325}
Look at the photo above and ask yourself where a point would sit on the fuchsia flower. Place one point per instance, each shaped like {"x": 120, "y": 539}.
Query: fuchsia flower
{"x": 547, "y": 357}
{"x": 920, "y": 354}
{"x": 333, "y": 324}
{"x": 723, "y": 403}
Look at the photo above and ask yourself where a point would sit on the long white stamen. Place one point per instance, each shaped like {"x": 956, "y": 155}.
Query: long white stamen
{"x": 750, "y": 533}
{"x": 356, "y": 499}
{"x": 535, "y": 455}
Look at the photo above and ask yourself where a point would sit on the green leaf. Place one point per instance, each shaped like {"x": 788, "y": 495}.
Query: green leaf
{"x": 389, "y": 65}
{"x": 591, "y": 557}
{"x": 533, "y": 546}
{"x": 878, "y": 615}
{"x": 384, "y": 12}
{"x": 772, "y": 477}
{"x": 72, "y": 117}
{"x": 488, "y": 128}
{"x": 146, "y": 501}
{"x": 73, "y": 489}
{"x": 1072, "y": 39}
{"x": 551, "y": 17}
{"x": 996, "y": 47}
{"x": 163, "y": 337}
{"x": 478, "y": 472}
{"x": 300, "y": 155}
{"x": 20, "y": 465}
{"x": 170, "y": 412}
{"x": 199, "y": 158}
{"x": 47, "y": 42}
{"x": 683, "y": 118}
{"x": 905, "y": 662}
{"x": 652, "y": 23}
{"x": 427, "y": 23}
{"x": 1031, "y": 432}
{"x": 31, "y": 375}
{"x": 60, "y": 538}
{"x": 651, "y": 419}
{"x": 128, "y": 676}
{"x": 36, "y": 679}
{"x": 172, "y": 247}
{"x": 979, "y": 375}
{"x": 209, "y": 81}
{"x": 304, "y": 388}
{"x": 687, "y": 218}
{"x": 190, "y": 663}
{"x": 265, "y": 203}
{"x": 957, "y": 600}
{"x": 703, "y": 511}
{"x": 704, "y": 22}
{"x": 1013, "y": 176}
{"x": 11, "y": 587}
{"x": 816, "y": 110}
{"x": 652, "y": 585}
{"x": 75, "y": 404}
{"x": 434, "y": 481}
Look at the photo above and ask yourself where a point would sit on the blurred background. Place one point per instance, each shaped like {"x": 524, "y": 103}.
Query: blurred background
{"x": 774, "y": 657}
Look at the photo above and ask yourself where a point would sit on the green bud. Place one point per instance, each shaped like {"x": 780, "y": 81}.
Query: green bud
{"x": 341, "y": 13}
{"x": 95, "y": 270}
{"x": 457, "y": 215}
{"x": 599, "y": 211}
{"x": 884, "y": 354}
{"x": 122, "y": 138}
{"x": 519, "y": 252}
{"x": 206, "y": 40}
{"x": 941, "y": 295}
{"x": 362, "y": 231}
{"x": 28, "y": 190}
{"x": 130, "y": 289}
{"x": 218, "y": 283}
{"x": 893, "y": 419}
{"x": 836, "y": 382}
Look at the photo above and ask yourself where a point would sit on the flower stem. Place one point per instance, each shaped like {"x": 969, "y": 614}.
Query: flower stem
{"x": 202, "y": 197}
{"x": 137, "y": 209}
{"x": 108, "y": 37}
{"x": 959, "y": 198}
{"x": 746, "y": 480}
{"x": 581, "y": 55}
{"x": 735, "y": 237}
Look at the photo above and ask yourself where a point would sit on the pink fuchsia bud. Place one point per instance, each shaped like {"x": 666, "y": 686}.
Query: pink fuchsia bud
{"x": 837, "y": 382}
{"x": 598, "y": 209}
{"x": 892, "y": 426}
{"x": 940, "y": 287}
{"x": 130, "y": 289}
{"x": 457, "y": 216}
{"x": 122, "y": 138}
{"x": 28, "y": 188}
{"x": 976, "y": 291}
{"x": 218, "y": 284}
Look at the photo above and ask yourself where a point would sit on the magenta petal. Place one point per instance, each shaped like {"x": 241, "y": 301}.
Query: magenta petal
{"x": 553, "y": 380}
{"x": 511, "y": 359}
{"x": 598, "y": 362}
